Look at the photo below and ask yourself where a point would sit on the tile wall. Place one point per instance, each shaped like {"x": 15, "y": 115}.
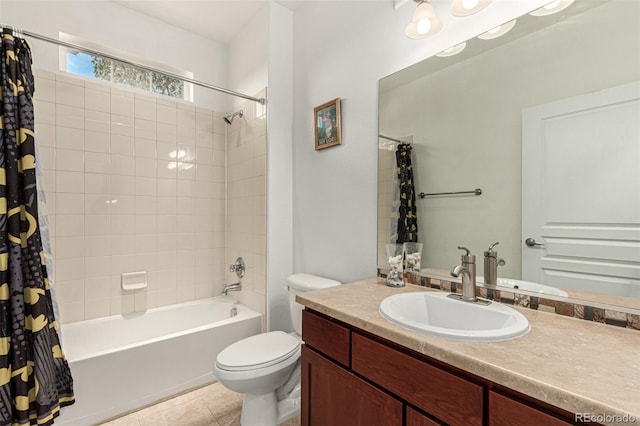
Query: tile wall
{"x": 134, "y": 182}
{"x": 246, "y": 201}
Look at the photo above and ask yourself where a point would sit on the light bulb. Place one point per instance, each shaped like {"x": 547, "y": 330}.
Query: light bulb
{"x": 469, "y": 4}
{"x": 423, "y": 26}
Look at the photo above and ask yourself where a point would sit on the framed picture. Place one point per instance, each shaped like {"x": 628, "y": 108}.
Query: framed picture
{"x": 326, "y": 119}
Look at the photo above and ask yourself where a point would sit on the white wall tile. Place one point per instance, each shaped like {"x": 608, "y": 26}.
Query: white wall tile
{"x": 97, "y": 100}
{"x": 122, "y": 195}
{"x": 69, "y": 138}
{"x": 145, "y": 148}
{"x": 122, "y": 165}
{"x": 166, "y": 132}
{"x": 122, "y": 224}
{"x": 146, "y": 224}
{"x": 167, "y": 187}
{"x": 97, "y": 245}
{"x": 45, "y": 135}
{"x": 122, "y": 244}
{"x": 69, "y": 116}
{"x": 96, "y": 204}
{"x": 97, "y": 162}
{"x": 145, "y": 129}
{"x": 68, "y": 203}
{"x": 121, "y": 104}
{"x": 68, "y": 160}
{"x": 122, "y": 204}
{"x": 96, "y": 267}
{"x": 122, "y": 125}
{"x": 69, "y": 94}
{"x": 72, "y": 182}
{"x": 146, "y": 185}
{"x": 45, "y": 89}
{"x": 122, "y": 185}
{"x": 97, "y": 121}
{"x": 123, "y": 145}
{"x": 44, "y": 112}
{"x": 96, "y": 183}
{"x": 145, "y": 167}
{"x": 166, "y": 114}
{"x": 96, "y": 225}
{"x": 96, "y": 141}
{"x": 69, "y": 247}
{"x": 145, "y": 110}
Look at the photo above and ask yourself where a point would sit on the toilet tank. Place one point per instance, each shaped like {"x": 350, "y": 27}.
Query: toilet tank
{"x": 299, "y": 283}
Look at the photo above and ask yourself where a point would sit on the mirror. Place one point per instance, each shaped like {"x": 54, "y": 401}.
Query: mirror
{"x": 463, "y": 116}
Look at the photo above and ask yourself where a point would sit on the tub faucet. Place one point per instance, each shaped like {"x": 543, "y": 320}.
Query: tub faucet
{"x": 491, "y": 263}
{"x": 468, "y": 271}
{"x": 231, "y": 287}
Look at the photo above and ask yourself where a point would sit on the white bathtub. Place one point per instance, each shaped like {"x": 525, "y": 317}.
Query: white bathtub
{"x": 123, "y": 363}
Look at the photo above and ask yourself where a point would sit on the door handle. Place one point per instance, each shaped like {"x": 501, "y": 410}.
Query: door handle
{"x": 531, "y": 242}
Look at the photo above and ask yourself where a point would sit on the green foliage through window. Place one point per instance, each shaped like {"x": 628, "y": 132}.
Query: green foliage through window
{"x": 124, "y": 74}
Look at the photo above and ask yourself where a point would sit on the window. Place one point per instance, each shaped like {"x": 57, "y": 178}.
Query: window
{"x": 98, "y": 67}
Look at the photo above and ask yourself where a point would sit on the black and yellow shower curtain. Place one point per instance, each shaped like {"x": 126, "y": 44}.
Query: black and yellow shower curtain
{"x": 408, "y": 216}
{"x": 35, "y": 380}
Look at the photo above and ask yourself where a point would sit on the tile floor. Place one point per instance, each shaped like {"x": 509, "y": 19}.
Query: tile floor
{"x": 212, "y": 405}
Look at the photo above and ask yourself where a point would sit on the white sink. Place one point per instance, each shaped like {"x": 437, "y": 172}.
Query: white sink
{"x": 529, "y": 286}
{"x": 437, "y": 314}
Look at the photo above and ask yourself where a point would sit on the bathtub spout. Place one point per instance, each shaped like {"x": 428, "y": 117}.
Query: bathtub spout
{"x": 231, "y": 287}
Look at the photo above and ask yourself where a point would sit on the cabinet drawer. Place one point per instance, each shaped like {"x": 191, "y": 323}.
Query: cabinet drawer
{"x": 504, "y": 411}
{"x": 446, "y": 396}
{"x": 326, "y": 336}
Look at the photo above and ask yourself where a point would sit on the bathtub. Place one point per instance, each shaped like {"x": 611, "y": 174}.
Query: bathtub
{"x": 121, "y": 363}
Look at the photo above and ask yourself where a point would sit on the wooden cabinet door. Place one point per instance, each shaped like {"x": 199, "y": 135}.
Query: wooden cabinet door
{"x": 504, "y": 411}
{"x": 415, "y": 418}
{"x": 333, "y": 396}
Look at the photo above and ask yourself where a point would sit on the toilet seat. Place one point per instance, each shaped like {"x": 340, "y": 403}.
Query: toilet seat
{"x": 259, "y": 351}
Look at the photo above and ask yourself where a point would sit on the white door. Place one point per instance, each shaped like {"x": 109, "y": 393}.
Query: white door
{"x": 581, "y": 192}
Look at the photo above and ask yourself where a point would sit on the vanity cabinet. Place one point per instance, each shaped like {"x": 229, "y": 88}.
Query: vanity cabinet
{"x": 350, "y": 377}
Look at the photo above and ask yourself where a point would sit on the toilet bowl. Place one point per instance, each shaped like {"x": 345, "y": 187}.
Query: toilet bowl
{"x": 265, "y": 368}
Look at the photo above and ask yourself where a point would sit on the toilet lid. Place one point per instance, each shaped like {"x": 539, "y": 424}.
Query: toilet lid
{"x": 261, "y": 350}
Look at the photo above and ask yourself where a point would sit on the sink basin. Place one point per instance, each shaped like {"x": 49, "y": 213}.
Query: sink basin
{"x": 529, "y": 286}
{"x": 440, "y": 315}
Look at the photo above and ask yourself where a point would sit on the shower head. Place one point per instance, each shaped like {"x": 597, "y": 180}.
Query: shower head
{"x": 229, "y": 118}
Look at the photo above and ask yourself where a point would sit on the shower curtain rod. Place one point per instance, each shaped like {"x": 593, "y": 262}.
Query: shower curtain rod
{"x": 261, "y": 101}
{"x": 393, "y": 140}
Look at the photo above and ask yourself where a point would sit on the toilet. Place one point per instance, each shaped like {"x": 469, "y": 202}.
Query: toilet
{"x": 265, "y": 368}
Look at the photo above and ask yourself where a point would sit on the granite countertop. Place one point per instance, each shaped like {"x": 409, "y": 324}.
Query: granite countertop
{"x": 573, "y": 364}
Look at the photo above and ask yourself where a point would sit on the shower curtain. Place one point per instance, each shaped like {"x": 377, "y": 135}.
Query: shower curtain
{"x": 408, "y": 220}
{"x": 35, "y": 380}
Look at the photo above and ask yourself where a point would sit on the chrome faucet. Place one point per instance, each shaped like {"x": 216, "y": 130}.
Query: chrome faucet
{"x": 231, "y": 287}
{"x": 491, "y": 263}
{"x": 468, "y": 271}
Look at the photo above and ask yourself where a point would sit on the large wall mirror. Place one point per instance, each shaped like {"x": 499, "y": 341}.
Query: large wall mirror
{"x": 545, "y": 121}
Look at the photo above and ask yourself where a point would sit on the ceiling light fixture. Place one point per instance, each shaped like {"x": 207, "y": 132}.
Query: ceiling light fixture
{"x": 551, "y": 8}
{"x": 498, "y": 31}
{"x": 453, "y": 50}
{"x": 468, "y": 7}
{"x": 424, "y": 22}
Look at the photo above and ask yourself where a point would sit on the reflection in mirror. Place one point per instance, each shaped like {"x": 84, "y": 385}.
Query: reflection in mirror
{"x": 545, "y": 120}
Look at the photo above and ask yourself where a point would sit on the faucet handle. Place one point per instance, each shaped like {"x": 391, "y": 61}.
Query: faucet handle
{"x": 493, "y": 245}
{"x": 465, "y": 249}
{"x": 467, "y": 257}
{"x": 491, "y": 252}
